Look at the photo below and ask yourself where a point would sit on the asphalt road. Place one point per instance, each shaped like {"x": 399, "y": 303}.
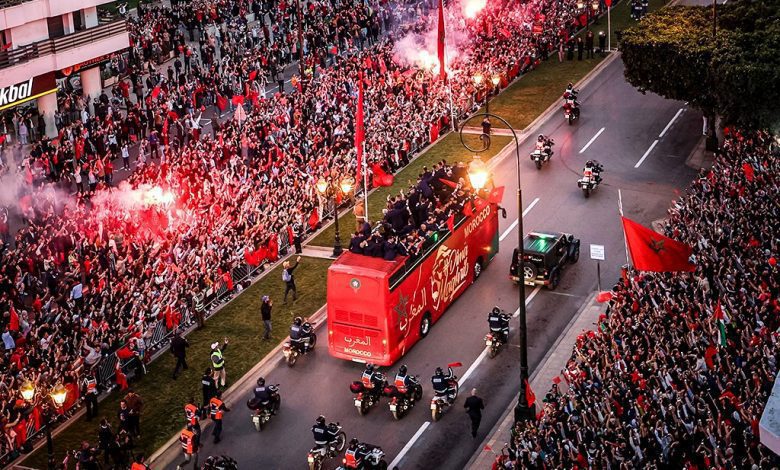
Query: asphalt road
{"x": 319, "y": 383}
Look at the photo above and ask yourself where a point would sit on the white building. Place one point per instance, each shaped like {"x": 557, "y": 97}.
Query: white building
{"x": 41, "y": 38}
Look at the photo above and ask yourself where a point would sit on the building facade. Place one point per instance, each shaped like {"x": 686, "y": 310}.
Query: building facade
{"x": 42, "y": 40}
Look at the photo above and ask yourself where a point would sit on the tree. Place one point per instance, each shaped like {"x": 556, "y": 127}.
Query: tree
{"x": 733, "y": 74}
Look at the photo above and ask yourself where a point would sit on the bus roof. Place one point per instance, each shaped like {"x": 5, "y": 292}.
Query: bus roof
{"x": 350, "y": 262}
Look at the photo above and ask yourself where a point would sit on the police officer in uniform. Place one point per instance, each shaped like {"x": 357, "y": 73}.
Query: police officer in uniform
{"x": 217, "y": 410}
{"x": 265, "y": 397}
{"x": 404, "y": 382}
{"x": 218, "y": 362}
{"x": 499, "y": 324}
{"x": 322, "y": 433}
{"x": 441, "y": 384}
{"x": 209, "y": 386}
{"x": 90, "y": 392}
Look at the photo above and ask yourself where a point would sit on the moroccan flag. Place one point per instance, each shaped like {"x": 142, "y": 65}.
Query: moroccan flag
{"x": 434, "y": 132}
{"x": 496, "y": 195}
{"x": 451, "y": 222}
{"x": 13, "y": 323}
{"x": 442, "y": 72}
{"x": 720, "y": 318}
{"x": 314, "y": 218}
{"x": 747, "y": 168}
{"x": 360, "y": 132}
{"x": 449, "y": 183}
{"x": 530, "y": 397}
{"x": 238, "y": 100}
{"x": 252, "y": 75}
{"x": 381, "y": 177}
{"x": 468, "y": 209}
{"x": 156, "y": 91}
{"x": 221, "y": 102}
{"x": 651, "y": 251}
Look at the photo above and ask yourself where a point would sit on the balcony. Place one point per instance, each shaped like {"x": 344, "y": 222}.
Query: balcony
{"x": 55, "y": 54}
{"x": 12, "y": 3}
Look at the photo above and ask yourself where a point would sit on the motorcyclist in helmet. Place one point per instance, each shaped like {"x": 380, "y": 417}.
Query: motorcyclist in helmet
{"x": 265, "y": 396}
{"x": 323, "y": 434}
{"x": 404, "y": 382}
{"x": 300, "y": 334}
{"x": 372, "y": 379}
{"x": 499, "y": 323}
{"x": 544, "y": 145}
{"x": 356, "y": 452}
{"x": 570, "y": 93}
{"x": 595, "y": 167}
{"x": 441, "y": 384}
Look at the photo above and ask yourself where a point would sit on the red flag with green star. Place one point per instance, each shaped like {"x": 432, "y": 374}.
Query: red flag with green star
{"x": 652, "y": 251}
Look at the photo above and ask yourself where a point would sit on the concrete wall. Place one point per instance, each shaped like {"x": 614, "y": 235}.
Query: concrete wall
{"x": 30, "y": 11}
{"x": 77, "y": 55}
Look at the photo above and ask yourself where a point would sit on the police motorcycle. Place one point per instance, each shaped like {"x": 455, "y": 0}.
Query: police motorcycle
{"x": 302, "y": 341}
{"x": 543, "y": 151}
{"x": 223, "y": 462}
{"x": 318, "y": 454}
{"x": 366, "y": 395}
{"x": 263, "y": 410}
{"x": 403, "y": 398}
{"x": 360, "y": 456}
{"x": 445, "y": 390}
{"x": 571, "y": 108}
{"x": 591, "y": 177}
{"x": 498, "y": 322}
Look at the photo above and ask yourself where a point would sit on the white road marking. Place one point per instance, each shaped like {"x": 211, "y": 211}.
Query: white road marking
{"x": 473, "y": 366}
{"x": 484, "y": 352}
{"x": 528, "y": 300}
{"x": 641, "y": 160}
{"x": 409, "y": 444}
{"x": 592, "y": 139}
{"x": 514, "y": 224}
{"x": 670, "y": 123}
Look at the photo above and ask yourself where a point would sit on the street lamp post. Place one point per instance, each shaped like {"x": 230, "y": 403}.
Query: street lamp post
{"x": 57, "y": 394}
{"x": 328, "y": 189}
{"x": 478, "y": 178}
{"x": 594, "y": 6}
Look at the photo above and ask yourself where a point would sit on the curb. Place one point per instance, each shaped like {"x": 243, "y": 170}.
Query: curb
{"x": 507, "y": 415}
{"x": 531, "y": 128}
{"x": 317, "y": 320}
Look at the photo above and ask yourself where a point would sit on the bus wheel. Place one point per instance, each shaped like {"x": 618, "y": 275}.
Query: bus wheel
{"x": 425, "y": 325}
{"x": 477, "y": 269}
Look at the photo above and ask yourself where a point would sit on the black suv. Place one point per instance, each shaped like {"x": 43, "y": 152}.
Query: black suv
{"x": 545, "y": 255}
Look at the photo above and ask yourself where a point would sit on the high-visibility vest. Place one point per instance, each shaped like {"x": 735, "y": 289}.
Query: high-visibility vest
{"x": 350, "y": 458}
{"x": 367, "y": 380}
{"x": 215, "y": 408}
{"x": 187, "y": 441}
{"x": 91, "y": 384}
{"x": 400, "y": 383}
{"x": 217, "y": 361}
{"x": 191, "y": 412}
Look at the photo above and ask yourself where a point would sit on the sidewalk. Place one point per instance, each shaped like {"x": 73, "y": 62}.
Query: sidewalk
{"x": 541, "y": 381}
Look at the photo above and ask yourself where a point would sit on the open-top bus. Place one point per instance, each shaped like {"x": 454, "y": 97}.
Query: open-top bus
{"x": 378, "y": 309}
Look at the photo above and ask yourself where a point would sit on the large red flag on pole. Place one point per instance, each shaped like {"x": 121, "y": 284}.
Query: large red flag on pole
{"x": 651, "y": 251}
{"x": 442, "y": 72}
{"x": 360, "y": 134}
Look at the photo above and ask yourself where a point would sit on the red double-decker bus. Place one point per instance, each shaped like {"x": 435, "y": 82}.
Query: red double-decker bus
{"x": 378, "y": 309}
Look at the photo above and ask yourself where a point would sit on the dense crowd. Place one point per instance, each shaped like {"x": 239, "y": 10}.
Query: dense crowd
{"x": 681, "y": 365}
{"x": 94, "y": 274}
{"x": 430, "y": 205}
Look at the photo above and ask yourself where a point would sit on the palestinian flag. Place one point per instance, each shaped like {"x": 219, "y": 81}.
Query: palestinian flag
{"x": 721, "y": 320}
